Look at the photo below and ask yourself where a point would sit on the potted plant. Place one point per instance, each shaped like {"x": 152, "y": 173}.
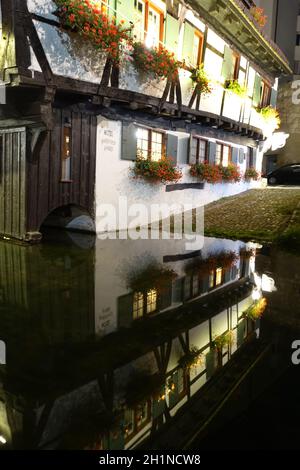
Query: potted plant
{"x": 271, "y": 116}
{"x": 201, "y": 81}
{"x": 161, "y": 171}
{"x": 235, "y": 87}
{"x": 154, "y": 276}
{"x": 156, "y": 61}
{"x": 192, "y": 358}
{"x": 222, "y": 341}
{"x": 230, "y": 173}
{"x": 257, "y": 309}
{"x": 206, "y": 172}
{"x": 251, "y": 174}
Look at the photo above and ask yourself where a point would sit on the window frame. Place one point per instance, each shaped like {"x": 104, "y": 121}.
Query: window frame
{"x": 145, "y": 312}
{"x": 200, "y": 139}
{"x": 200, "y": 36}
{"x": 265, "y": 94}
{"x": 65, "y": 147}
{"x": 222, "y": 153}
{"x": 136, "y": 427}
{"x": 149, "y": 149}
{"x": 148, "y": 5}
{"x": 237, "y": 61}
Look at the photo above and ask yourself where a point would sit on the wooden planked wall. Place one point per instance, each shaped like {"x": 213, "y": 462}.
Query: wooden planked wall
{"x": 12, "y": 182}
{"x": 45, "y": 190}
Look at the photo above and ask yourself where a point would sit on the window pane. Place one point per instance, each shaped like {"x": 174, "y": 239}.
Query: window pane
{"x": 142, "y": 142}
{"x": 151, "y": 300}
{"x": 226, "y": 152}
{"x": 202, "y": 150}
{"x": 66, "y": 154}
{"x": 218, "y": 154}
{"x": 156, "y": 146}
{"x": 219, "y": 273}
{"x": 212, "y": 279}
{"x": 196, "y": 50}
{"x": 138, "y": 305}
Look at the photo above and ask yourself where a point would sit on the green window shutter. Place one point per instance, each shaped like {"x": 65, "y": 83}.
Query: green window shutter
{"x": 125, "y": 11}
{"x": 171, "y": 34}
{"x": 273, "y": 100}
{"x": 188, "y": 43}
{"x": 212, "y": 147}
{"x": 228, "y": 64}
{"x": 172, "y": 147}
{"x": 257, "y": 91}
{"x": 235, "y": 155}
{"x": 125, "y": 311}
{"x": 129, "y": 141}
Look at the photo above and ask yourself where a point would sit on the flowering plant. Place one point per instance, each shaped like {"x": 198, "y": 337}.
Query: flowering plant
{"x": 259, "y": 16}
{"x": 235, "y": 87}
{"x": 201, "y": 80}
{"x": 271, "y": 116}
{"x": 88, "y": 19}
{"x": 223, "y": 340}
{"x": 230, "y": 173}
{"x": 251, "y": 174}
{"x": 162, "y": 170}
{"x": 157, "y": 61}
{"x": 206, "y": 172}
{"x": 193, "y": 358}
{"x": 257, "y": 309}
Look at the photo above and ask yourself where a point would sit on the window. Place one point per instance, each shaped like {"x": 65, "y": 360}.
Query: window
{"x": 216, "y": 278}
{"x": 223, "y": 154}
{"x": 219, "y": 276}
{"x": 150, "y": 144}
{"x": 144, "y": 303}
{"x": 197, "y": 49}
{"x": 149, "y": 24}
{"x": 66, "y": 153}
{"x": 136, "y": 419}
{"x": 199, "y": 150}
{"x": 265, "y": 94}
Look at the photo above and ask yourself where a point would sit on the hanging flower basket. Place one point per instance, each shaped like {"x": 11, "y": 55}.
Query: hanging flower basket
{"x": 161, "y": 171}
{"x": 235, "y": 87}
{"x": 88, "y": 20}
{"x": 256, "y": 310}
{"x": 201, "y": 81}
{"x": 158, "y": 62}
{"x": 271, "y": 116}
{"x": 222, "y": 341}
{"x": 193, "y": 358}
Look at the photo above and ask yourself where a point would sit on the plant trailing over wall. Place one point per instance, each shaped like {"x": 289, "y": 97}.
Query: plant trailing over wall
{"x": 251, "y": 174}
{"x": 230, "y": 173}
{"x": 91, "y": 23}
{"x": 162, "y": 170}
{"x": 154, "y": 276}
{"x": 157, "y": 61}
{"x": 246, "y": 253}
{"x": 222, "y": 341}
{"x": 257, "y": 309}
{"x": 225, "y": 259}
{"x": 259, "y": 16}
{"x": 271, "y": 116}
{"x": 193, "y": 358}
{"x": 206, "y": 172}
{"x": 235, "y": 87}
{"x": 201, "y": 81}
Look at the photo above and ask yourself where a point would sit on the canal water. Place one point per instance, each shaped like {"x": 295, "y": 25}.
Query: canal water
{"x": 120, "y": 344}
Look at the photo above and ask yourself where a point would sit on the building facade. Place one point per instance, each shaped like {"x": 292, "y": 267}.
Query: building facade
{"x": 75, "y": 121}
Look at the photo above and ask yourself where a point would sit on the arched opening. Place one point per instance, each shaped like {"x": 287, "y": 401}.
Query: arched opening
{"x": 69, "y": 217}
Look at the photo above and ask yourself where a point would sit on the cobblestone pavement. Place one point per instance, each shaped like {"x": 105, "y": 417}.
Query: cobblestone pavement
{"x": 258, "y": 213}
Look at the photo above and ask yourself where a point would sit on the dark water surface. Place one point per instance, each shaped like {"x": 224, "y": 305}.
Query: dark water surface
{"x": 119, "y": 344}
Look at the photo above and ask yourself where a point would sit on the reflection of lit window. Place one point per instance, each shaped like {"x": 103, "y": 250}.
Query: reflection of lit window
{"x": 151, "y": 301}
{"x": 212, "y": 279}
{"x": 66, "y": 153}
{"x": 219, "y": 273}
{"x": 150, "y": 144}
{"x": 138, "y": 305}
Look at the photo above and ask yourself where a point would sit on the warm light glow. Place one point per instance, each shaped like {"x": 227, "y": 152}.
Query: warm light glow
{"x": 2, "y": 440}
{"x": 256, "y": 294}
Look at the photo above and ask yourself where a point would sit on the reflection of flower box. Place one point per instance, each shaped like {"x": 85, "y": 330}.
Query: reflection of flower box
{"x": 154, "y": 276}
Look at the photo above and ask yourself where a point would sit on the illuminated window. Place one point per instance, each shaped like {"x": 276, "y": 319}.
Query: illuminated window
{"x": 138, "y": 305}
{"x": 148, "y": 24}
{"x": 66, "y": 153}
{"x": 212, "y": 279}
{"x": 236, "y": 62}
{"x": 219, "y": 276}
{"x": 136, "y": 419}
{"x": 150, "y": 144}
{"x": 197, "y": 49}
{"x": 223, "y": 154}
{"x": 151, "y": 301}
{"x": 265, "y": 95}
{"x": 199, "y": 150}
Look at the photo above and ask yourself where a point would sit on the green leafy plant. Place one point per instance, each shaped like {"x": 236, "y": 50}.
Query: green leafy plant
{"x": 222, "y": 341}
{"x": 230, "y": 173}
{"x": 251, "y": 174}
{"x": 271, "y": 116}
{"x": 193, "y": 358}
{"x": 257, "y": 309}
{"x": 201, "y": 81}
{"x": 235, "y": 87}
{"x": 162, "y": 170}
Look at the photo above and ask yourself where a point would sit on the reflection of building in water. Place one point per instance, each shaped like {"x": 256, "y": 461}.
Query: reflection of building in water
{"x": 131, "y": 383}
